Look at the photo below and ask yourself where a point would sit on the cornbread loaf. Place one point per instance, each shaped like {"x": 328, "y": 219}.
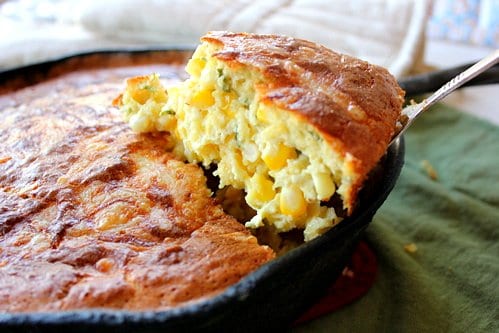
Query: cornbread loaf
{"x": 293, "y": 124}
{"x": 95, "y": 216}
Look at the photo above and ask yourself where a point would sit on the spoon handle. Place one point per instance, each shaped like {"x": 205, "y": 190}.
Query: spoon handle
{"x": 462, "y": 78}
{"x": 411, "y": 112}
{"x": 432, "y": 81}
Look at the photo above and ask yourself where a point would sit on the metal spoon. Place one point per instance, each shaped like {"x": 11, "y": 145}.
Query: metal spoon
{"x": 411, "y": 112}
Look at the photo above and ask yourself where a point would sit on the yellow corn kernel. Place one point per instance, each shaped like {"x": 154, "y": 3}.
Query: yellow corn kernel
{"x": 160, "y": 95}
{"x": 140, "y": 95}
{"x": 261, "y": 115}
{"x": 275, "y": 159}
{"x": 166, "y": 123}
{"x": 261, "y": 189}
{"x": 195, "y": 66}
{"x": 209, "y": 150}
{"x": 202, "y": 99}
{"x": 324, "y": 185}
{"x": 227, "y": 99}
{"x": 292, "y": 202}
{"x": 140, "y": 123}
{"x": 180, "y": 114}
{"x": 143, "y": 88}
{"x": 133, "y": 88}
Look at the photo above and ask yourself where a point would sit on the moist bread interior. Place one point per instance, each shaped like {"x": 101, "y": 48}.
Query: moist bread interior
{"x": 292, "y": 124}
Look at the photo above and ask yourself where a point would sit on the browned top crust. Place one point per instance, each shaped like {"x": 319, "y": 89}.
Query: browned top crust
{"x": 92, "y": 215}
{"x": 354, "y": 104}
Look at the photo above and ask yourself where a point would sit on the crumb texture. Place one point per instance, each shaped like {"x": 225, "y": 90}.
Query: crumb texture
{"x": 297, "y": 126}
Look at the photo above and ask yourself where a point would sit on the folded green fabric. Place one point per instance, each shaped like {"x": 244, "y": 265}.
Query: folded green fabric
{"x": 451, "y": 282}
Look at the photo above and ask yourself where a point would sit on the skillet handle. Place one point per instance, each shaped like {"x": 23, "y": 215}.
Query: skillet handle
{"x": 429, "y": 82}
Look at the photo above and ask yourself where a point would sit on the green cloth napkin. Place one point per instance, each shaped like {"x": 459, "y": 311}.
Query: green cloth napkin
{"x": 451, "y": 283}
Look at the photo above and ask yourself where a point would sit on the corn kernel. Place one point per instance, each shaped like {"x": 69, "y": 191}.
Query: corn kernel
{"x": 292, "y": 202}
{"x": 160, "y": 95}
{"x": 209, "y": 150}
{"x": 140, "y": 95}
{"x": 261, "y": 189}
{"x": 276, "y": 159}
{"x": 135, "y": 92}
{"x": 195, "y": 66}
{"x": 202, "y": 99}
{"x": 324, "y": 185}
{"x": 261, "y": 115}
{"x": 226, "y": 103}
{"x": 166, "y": 123}
{"x": 140, "y": 123}
{"x": 251, "y": 152}
{"x": 143, "y": 88}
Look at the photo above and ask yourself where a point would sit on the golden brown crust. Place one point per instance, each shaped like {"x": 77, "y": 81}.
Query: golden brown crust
{"x": 92, "y": 215}
{"x": 354, "y": 104}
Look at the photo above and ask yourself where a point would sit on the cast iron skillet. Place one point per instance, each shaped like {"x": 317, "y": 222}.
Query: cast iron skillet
{"x": 267, "y": 299}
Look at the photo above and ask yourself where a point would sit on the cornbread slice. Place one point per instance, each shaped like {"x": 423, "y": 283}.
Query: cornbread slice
{"x": 290, "y": 122}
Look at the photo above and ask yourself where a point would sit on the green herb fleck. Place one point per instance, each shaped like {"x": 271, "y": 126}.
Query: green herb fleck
{"x": 127, "y": 110}
{"x": 315, "y": 135}
{"x": 226, "y": 85}
{"x": 149, "y": 88}
{"x": 225, "y": 81}
{"x": 168, "y": 111}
